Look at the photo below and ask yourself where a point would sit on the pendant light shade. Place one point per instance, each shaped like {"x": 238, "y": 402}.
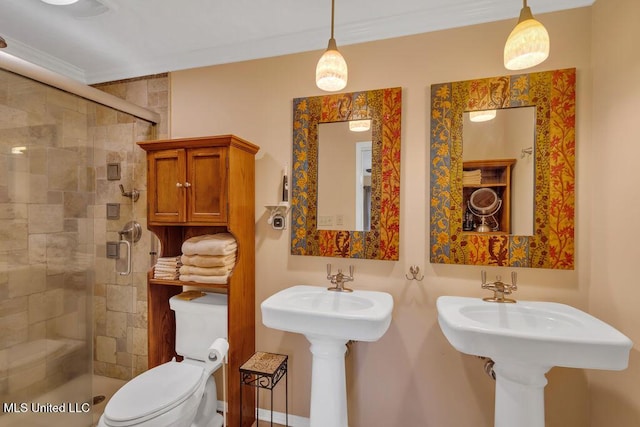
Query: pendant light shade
{"x": 60, "y": 2}
{"x": 482, "y": 115}
{"x": 331, "y": 71}
{"x": 360, "y": 125}
{"x": 528, "y": 43}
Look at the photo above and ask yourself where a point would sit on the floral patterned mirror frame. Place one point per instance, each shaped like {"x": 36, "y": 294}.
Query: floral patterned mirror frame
{"x": 383, "y": 107}
{"x": 552, "y": 93}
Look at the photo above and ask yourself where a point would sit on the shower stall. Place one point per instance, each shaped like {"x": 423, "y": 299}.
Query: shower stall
{"x": 66, "y": 313}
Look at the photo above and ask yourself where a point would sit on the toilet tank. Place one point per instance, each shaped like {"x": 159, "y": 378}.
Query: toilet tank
{"x": 201, "y": 318}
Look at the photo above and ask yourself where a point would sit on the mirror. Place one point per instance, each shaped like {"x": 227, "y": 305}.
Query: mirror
{"x": 318, "y": 204}
{"x": 509, "y": 134}
{"x": 550, "y": 243}
{"x": 344, "y": 177}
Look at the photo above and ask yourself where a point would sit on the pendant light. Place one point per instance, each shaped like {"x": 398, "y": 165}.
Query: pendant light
{"x": 60, "y": 2}
{"x": 360, "y": 125}
{"x": 482, "y": 115}
{"x": 331, "y": 71}
{"x": 528, "y": 43}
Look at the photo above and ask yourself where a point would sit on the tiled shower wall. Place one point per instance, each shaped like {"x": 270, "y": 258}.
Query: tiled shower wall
{"x": 120, "y": 302}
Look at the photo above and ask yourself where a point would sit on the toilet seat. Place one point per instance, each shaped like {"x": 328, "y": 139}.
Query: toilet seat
{"x": 153, "y": 393}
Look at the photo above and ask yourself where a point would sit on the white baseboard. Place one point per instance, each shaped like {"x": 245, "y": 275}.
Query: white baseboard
{"x": 278, "y": 417}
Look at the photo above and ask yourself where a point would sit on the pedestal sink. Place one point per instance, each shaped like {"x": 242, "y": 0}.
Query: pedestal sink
{"x": 525, "y": 340}
{"x": 328, "y": 320}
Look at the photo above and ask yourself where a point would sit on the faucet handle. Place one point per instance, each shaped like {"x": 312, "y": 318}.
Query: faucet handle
{"x": 351, "y": 271}
{"x": 514, "y": 279}
{"x": 483, "y": 277}
{"x": 328, "y": 271}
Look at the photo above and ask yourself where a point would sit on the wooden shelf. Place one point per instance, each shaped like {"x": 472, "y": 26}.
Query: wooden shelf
{"x": 200, "y": 186}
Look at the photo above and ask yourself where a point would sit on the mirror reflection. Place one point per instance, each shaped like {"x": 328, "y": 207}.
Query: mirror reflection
{"x": 453, "y": 240}
{"x": 500, "y": 135}
{"x": 344, "y": 177}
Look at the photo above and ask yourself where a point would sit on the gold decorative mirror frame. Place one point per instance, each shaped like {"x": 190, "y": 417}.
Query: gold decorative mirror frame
{"x": 552, "y": 93}
{"x": 383, "y": 107}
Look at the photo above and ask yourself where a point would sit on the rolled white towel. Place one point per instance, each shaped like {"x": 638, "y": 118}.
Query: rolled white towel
{"x": 204, "y": 271}
{"x": 210, "y": 244}
{"x": 220, "y": 280}
{"x": 209, "y": 260}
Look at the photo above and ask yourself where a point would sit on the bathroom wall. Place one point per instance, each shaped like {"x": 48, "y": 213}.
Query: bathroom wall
{"x": 614, "y": 200}
{"x": 412, "y": 376}
{"x": 120, "y": 302}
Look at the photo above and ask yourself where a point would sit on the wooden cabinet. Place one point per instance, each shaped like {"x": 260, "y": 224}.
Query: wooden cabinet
{"x": 187, "y": 186}
{"x": 202, "y": 186}
{"x": 494, "y": 175}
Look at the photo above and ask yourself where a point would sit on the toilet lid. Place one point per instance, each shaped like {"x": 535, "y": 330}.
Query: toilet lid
{"x": 156, "y": 390}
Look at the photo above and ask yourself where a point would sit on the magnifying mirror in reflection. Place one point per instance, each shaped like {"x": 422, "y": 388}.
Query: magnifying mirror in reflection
{"x": 484, "y": 203}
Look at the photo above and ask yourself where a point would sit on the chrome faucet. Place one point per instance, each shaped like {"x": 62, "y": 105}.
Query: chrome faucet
{"x": 337, "y": 280}
{"x": 499, "y": 288}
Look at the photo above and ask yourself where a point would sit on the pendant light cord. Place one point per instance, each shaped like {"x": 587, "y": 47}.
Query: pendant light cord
{"x": 332, "y": 8}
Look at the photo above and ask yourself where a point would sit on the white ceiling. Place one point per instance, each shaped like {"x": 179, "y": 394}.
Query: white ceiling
{"x": 134, "y": 38}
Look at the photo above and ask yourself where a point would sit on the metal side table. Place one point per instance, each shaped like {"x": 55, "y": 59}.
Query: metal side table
{"x": 264, "y": 370}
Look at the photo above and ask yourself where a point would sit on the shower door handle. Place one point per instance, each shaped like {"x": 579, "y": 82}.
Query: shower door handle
{"x": 129, "y": 262}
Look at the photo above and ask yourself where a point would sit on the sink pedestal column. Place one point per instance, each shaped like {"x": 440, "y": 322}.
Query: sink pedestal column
{"x": 519, "y": 394}
{"x": 328, "y": 384}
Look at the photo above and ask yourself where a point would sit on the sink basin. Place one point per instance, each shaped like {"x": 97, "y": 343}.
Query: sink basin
{"x": 328, "y": 320}
{"x": 542, "y": 333}
{"x": 525, "y": 340}
{"x": 313, "y": 310}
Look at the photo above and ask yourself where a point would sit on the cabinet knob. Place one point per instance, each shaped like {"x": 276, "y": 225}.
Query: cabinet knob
{"x": 179, "y": 185}
{"x": 187, "y": 184}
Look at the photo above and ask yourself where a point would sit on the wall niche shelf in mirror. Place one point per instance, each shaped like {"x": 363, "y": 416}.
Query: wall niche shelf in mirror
{"x": 551, "y": 245}
{"x": 382, "y": 239}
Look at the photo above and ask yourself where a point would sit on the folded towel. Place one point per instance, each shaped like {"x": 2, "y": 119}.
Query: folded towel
{"x": 166, "y": 270}
{"x": 204, "y": 271}
{"x": 221, "y": 280}
{"x": 210, "y": 244}
{"x": 209, "y": 260}
{"x": 169, "y": 259}
{"x": 165, "y": 276}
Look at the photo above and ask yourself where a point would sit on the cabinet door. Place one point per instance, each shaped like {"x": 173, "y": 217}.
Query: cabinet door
{"x": 166, "y": 190}
{"x": 207, "y": 192}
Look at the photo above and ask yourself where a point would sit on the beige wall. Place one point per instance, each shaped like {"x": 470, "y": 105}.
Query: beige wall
{"x": 412, "y": 376}
{"x": 613, "y": 174}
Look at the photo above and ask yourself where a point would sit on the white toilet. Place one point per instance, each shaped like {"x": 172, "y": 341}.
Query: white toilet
{"x": 179, "y": 394}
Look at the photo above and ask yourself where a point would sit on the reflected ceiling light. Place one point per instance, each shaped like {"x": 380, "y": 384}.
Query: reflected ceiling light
{"x": 59, "y": 2}
{"x": 528, "y": 43}
{"x": 359, "y": 125}
{"x": 482, "y": 116}
{"x": 331, "y": 71}
{"x": 18, "y": 150}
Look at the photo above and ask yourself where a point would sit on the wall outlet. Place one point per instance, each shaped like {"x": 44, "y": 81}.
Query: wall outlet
{"x": 325, "y": 220}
